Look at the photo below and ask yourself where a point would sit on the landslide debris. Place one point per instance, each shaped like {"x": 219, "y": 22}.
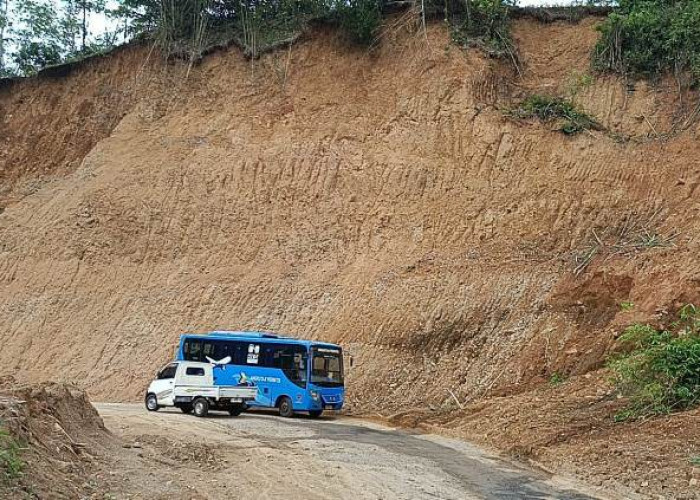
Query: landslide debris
{"x": 56, "y": 435}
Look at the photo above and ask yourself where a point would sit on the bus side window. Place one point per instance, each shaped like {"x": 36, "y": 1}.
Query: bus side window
{"x": 237, "y": 352}
{"x": 193, "y": 350}
{"x": 208, "y": 350}
{"x": 253, "y": 356}
{"x": 267, "y": 358}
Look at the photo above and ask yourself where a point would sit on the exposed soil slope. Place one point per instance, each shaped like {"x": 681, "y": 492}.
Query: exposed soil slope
{"x": 50, "y": 123}
{"x": 381, "y": 200}
{"x": 61, "y": 439}
{"x": 568, "y": 428}
{"x": 376, "y": 199}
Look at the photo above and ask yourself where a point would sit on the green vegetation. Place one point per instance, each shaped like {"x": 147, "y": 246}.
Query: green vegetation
{"x": 482, "y": 23}
{"x": 38, "y": 33}
{"x": 360, "y": 19}
{"x": 648, "y": 37}
{"x": 660, "y": 371}
{"x": 695, "y": 460}
{"x": 571, "y": 120}
{"x": 576, "y": 82}
{"x": 626, "y": 306}
{"x": 557, "y": 379}
{"x": 35, "y": 34}
{"x": 4, "y": 21}
{"x": 10, "y": 461}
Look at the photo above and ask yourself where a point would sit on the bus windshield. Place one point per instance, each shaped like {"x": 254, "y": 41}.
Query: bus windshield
{"x": 326, "y": 366}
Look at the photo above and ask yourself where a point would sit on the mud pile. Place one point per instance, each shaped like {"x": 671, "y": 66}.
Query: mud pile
{"x": 59, "y": 435}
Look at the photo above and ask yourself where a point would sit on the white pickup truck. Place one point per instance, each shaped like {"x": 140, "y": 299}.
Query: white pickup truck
{"x": 191, "y": 386}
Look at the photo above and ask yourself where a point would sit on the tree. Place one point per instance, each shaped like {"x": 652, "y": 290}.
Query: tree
{"x": 70, "y": 25}
{"x": 4, "y": 21}
{"x": 88, "y": 7}
{"x": 137, "y": 16}
{"x": 38, "y": 37}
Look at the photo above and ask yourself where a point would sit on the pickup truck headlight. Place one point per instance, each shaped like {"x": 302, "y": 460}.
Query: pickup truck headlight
{"x": 315, "y": 395}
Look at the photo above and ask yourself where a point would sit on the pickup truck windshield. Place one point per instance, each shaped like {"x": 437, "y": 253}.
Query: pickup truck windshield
{"x": 326, "y": 366}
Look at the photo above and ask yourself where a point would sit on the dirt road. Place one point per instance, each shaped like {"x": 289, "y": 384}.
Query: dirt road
{"x": 172, "y": 455}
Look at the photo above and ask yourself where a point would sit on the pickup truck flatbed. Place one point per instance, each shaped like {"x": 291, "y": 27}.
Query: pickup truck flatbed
{"x": 190, "y": 386}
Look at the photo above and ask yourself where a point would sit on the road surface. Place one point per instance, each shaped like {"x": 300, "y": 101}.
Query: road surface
{"x": 262, "y": 456}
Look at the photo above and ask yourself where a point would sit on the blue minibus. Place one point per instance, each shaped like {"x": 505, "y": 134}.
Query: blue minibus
{"x": 290, "y": 374}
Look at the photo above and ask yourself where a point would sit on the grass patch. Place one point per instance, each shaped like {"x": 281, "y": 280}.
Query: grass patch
{"x": 626, "y": 306}
{"x": 694, "y": 460}
{"x": 11, "y": 463}
{"x": 570, "y": 119}
{"x": 557, "y": 379}
{"x": 660, "y": 369}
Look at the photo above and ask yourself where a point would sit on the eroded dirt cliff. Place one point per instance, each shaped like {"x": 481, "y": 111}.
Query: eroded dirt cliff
{"x": 378, "y": 199}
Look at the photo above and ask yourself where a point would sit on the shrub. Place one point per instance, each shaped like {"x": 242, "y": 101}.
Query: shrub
{"x": 647, "y": 37}
{"x": 660, "y": 371}
{"x": 484, "y": 23}
{"x": 545, "y": 108}
{"x": 10, "y": 462}
{"x": 557, "y": 379}
{"x": 360, "y": 19}
{"x": 191, "y": 27}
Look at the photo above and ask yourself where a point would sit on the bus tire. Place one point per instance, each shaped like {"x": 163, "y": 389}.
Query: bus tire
{"x": 151, "y": 402}
{"x": 285, "y": 407}
{"x": 200, "y": 407}
{"x": 186, "y": 408}
{"x": 315, "y": 413}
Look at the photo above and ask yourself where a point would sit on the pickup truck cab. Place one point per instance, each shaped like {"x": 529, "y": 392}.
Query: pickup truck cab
{"x": 192, "y": 387}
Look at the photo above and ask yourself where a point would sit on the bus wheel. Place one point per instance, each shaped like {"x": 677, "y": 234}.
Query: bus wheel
{"x": 315, "y": 413}
{"x": 200, "y": 407}
{"x": 235, "y": 410}
{"x": 186, "y": 409}
{"x": 285, "y": 407}
{"x": 152, "y": 402}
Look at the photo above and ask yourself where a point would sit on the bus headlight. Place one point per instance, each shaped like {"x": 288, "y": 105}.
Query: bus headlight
{"x": 315, "y": 395}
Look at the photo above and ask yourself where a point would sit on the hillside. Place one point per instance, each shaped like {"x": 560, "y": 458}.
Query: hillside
{"x": 378, "y": 199}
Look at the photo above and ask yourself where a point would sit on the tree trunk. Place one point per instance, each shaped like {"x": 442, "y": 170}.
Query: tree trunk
{"x": 3, "y": 22}
{"x": 84, "y": 24}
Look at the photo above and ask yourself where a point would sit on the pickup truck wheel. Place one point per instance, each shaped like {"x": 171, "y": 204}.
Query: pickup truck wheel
{"x": 186, "y": 409}
{"x": 236, "y": 410}
{"x": 151, "y": 402}
{"x": 315, "y": 413}
{"x": 285, "y": 407}
{"x": 200, "y": 407}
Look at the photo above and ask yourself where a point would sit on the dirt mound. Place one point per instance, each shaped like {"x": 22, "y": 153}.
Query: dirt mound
{"x": 59, "y": 435}
{"x": 561, "y": 426}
